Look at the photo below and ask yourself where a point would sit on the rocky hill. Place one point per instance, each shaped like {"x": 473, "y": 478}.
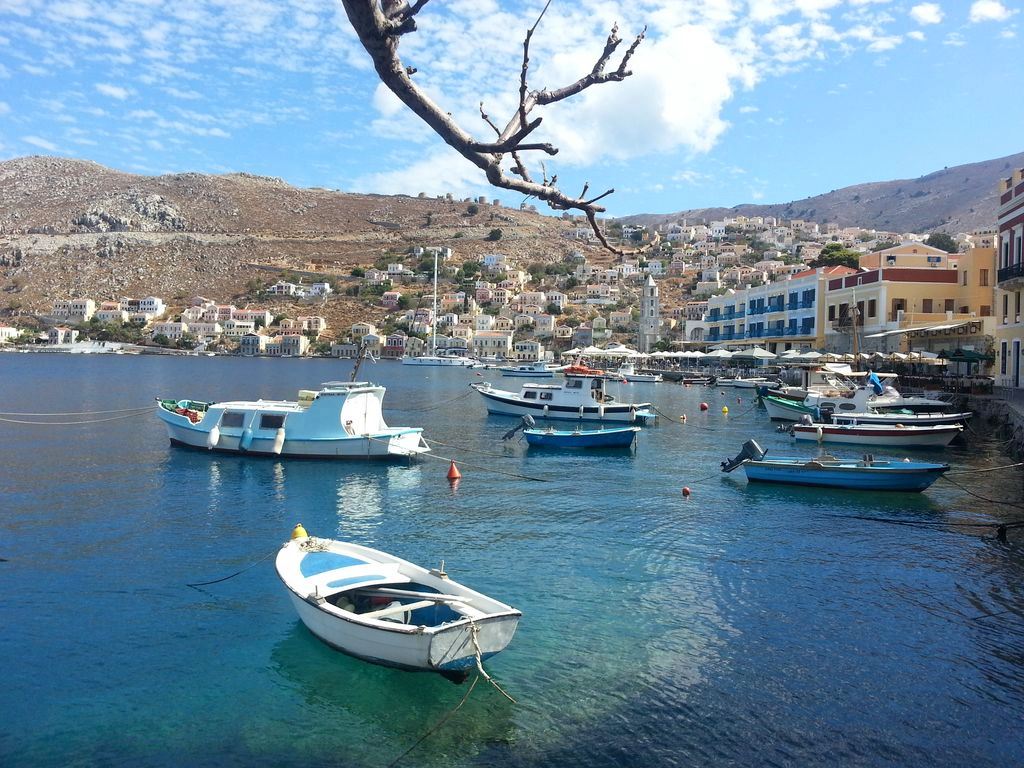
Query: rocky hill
{"x": 958, "y": 199}
{"x": 71, "y": 228}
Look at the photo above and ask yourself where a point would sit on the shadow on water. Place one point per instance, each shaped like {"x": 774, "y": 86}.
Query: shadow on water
{"x": 390, "y": 709}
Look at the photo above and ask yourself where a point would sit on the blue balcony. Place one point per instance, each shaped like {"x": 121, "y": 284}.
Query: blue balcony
{"x": 776, "y": 308}
{"x": 756, "y": 311}
{"x": 793, "y": 305}
{"x": 807, "y": 304}
{"x": 727, "y": 335}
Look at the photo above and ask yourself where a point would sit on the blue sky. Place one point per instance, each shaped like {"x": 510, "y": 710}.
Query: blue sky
{"x": 756, "y": 101}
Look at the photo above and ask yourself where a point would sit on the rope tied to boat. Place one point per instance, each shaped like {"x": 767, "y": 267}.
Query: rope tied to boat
{"x": 37, "y": 419}
{"x": 436, "y": 725}
{"x": 474, "y": 630}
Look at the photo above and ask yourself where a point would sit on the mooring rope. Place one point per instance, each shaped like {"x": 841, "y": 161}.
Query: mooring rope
{"x": 436, "y": 725}
{"x": 979, "y": 471}
{"x": 270, "y": 554}
{"x": 435, "y": 405}
{"x": 79, "y": 413}
{"x": 432, "y": 455}
{"x": 71, "y": 423}
{"x": 474, "y": 630}
{"x": 470, "y": 450}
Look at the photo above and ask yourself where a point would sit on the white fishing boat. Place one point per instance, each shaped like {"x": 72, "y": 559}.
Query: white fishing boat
{"x": 537, "y": 370}
{"x": 388, "y": 611}
{"x": 879, "y": 435}
{"x": 340, "y": 420}
{"x": 628, "y": 372}
{"x": 577, "y": 398}
{"x": 869, "y": 396}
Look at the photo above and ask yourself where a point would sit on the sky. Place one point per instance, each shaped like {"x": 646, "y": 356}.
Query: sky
{"x": 730, "y": 101}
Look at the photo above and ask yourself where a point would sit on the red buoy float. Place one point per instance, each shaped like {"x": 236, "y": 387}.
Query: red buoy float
{"x": 703, "y": 406}
{"x": 453, "y": 471}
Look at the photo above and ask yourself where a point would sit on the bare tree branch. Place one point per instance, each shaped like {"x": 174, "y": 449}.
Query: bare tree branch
{"x": 380, "y": 25}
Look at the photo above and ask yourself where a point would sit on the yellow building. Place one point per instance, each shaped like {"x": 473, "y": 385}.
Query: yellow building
{"x": 944, "y": 302}
{"x": 1010, "y": 281}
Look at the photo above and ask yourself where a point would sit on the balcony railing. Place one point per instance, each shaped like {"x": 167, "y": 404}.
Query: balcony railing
{"x": 807, "y": 304}
{"x": 756, "y": 311}
{"x": 1010, "y": 272}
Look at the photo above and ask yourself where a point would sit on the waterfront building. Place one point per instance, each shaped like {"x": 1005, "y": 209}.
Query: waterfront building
{"x": 946, "y": 297}
{"x": 1009, "y": 331}
{"x": 62, "y": 335}
{"x": 253, "y": 344}
{"x": 73, "y": 310}
{"x": 493, "y": 343}
{"x": 780, "y": 315}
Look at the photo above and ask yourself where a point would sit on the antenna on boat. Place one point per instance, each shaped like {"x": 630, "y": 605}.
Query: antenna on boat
{"x": 359, "y": 360}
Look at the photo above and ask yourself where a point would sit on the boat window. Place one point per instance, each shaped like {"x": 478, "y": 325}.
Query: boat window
{"x": 545, "y": 395}
{"x": 271, "y": 421}
{"x": 232, "y": 419}
{"x": 847, "y": 406}
{"x": 574, "y": 384}
{"x": 530, "y": 395}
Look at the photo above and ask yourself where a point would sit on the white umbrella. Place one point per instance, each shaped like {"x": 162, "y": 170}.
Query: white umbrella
{"x": 722, "y": 354}
{"x": 756, "y": 353}
{"x": 812, "y": 355}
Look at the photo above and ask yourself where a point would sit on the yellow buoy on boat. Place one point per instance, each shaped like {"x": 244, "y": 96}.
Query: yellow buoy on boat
{"x": 298, "y": 532}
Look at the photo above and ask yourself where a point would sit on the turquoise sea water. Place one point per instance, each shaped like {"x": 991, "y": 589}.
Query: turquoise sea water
{"x": 745, "y": 625}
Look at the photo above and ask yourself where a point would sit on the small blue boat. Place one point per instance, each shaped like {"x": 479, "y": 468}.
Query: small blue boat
{"x": 613, "y": 437}
{"x": 865, "y": 474}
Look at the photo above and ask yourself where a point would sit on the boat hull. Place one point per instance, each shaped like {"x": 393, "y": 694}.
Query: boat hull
{"x": 879, "y": 436}
{"x": 913, "y": 478}
{"x": 402, "y": 646}
{"x": 590, "y": 438}
{"x": 510, "y": 406}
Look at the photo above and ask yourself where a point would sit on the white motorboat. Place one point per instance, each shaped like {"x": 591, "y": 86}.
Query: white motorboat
{"x": 341, "y": 420}
{"x": 879, "y": 435}
{"x": 862, "y": 398}
{"x": 628, "y": 372}
{"x": 537, "y": 370}
{"x": 388, "y": 611}
{"x": 577, "y": 398}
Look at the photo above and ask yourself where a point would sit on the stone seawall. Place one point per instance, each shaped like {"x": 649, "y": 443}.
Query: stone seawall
{"x": 1001, "y": 418}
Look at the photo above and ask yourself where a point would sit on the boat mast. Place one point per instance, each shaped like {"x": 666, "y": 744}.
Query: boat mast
{"x": 433, "y": 320}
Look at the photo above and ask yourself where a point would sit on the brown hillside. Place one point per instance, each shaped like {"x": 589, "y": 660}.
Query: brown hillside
{"x": 70, "y": 228}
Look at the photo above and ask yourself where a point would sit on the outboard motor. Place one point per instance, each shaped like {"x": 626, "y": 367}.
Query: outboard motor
{"x": 825, "y": 414}
{"x": 806, "y": 420}
{"x": 751, "y": 451}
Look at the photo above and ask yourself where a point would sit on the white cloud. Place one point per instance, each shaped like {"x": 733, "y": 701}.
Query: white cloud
{"x": 746, "y": 110}
{"x": 955, "y": 39}
{"x": 440, "y": 172}
{"x": 926, "y": 13}
{"x": 916, "y": 34}
{"x": 41, "y": 143}
{"x": 989, "y": 10}
{"x": 113, "y": 91}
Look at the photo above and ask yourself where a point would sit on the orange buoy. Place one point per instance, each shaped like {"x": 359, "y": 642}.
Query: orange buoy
{"x": 453, "y": 471}
{"x": 686, "y": 491}
{"x": 703, "y": 406}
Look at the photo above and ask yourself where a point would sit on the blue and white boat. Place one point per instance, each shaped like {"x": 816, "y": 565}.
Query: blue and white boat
{"x": 388, "y": 611}
{"x": 612, "y": 437}
{"x": 577, "y": 398}
{"x": 340, "y": 420}
{"x": 865, "y": 474}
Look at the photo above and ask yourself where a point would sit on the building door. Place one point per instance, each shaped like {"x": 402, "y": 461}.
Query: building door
{"x": 1016, "y": 362}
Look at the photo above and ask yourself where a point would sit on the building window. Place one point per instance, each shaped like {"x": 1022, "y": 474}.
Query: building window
{"x": 982, "y": 279}
{"x": 831, "y": 311}
{"x": 926, "y": 306}
{"x": 872, "y": 308}
{"x": 964, "y": 278}
{"x": 950, "y": 305}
